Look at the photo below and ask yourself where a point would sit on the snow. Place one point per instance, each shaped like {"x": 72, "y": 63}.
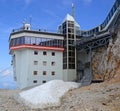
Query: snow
{"x": 48, "y": 94}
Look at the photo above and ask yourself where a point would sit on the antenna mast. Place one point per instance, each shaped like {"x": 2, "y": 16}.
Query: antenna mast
{"x": 30, "y": 20}
{"x": 24, "y": 21}
{"x": 73, "y": 8}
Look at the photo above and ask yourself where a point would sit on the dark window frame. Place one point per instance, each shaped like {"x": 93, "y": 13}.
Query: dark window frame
{"x": 35, "y": 52}
{"x": 44, "y": 53}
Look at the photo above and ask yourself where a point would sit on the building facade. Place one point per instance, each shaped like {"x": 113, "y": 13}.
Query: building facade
{"x": 36, "y": 56}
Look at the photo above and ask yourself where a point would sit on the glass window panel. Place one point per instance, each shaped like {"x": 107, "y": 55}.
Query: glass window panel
{"x": 35, "y": 52}
{"x": 53, "y": 73}
{"x": 27, "y": 40}
{"x": 20, "y": 40}
{"x": 44, "y": 73}
{"x": 71, "y": 66}
{"x": 43, "y": 42}
{"x": 52, "y": 63}
{"x": 35, "y": 81}
{"x": 12, "y": 42}
{"x": 33, "y": 40}
{"x": 38, "y": 41}
{"x": 64, "y": 66}
{"x": 44, "y": 63}
{"x": 53, "y": 53}
{"x": 44, "y": 53}
{"x": 35, "y": 62}
{"x": 35, "y": 72}
{"x": 44, "y": 81}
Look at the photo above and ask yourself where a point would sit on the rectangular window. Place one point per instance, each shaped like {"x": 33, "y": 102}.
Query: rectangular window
{"x": 44, "y": 53}
{"x": 52, "y": 63}
{"x": 33, "y": 41}
{"x": 44, "y": 63}
{"x": 53, "y": 73}
{"x": 35, "y": 72}
{"x": 44, "y": 73}
{"x": 53, "y": 53}
{"x": 35, "y": 81}
{"x": 35, "y": 62}
{"x": 27, "y": 40}
{"x": 20, "y": 40}
{"x": 65, "y": 66}
{"x": 44, "y": 81}
{"x": 71, "y": 66}
{"x": 35, "y": 52}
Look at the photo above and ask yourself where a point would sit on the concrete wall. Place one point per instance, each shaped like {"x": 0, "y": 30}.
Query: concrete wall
{"x": 69, "y": 75}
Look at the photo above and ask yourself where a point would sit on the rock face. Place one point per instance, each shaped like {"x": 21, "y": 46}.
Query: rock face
{"x": 106, "y": 60}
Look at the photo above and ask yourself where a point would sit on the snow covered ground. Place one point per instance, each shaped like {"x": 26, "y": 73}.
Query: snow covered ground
{"x": 48, "y": 94}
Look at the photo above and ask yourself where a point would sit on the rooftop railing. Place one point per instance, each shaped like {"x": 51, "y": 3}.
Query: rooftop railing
{"x": 34, "y": 29}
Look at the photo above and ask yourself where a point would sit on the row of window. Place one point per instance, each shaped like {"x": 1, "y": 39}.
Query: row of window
{"x": 114, "y": 8}
{"x": 44, "y": 63}
{"x": 36, "y": 41}
{"x": 44, "y": 73}
{"x": 35, "y": 81}
{"x": 90, "y": 32}
{"x": 44, "y": 53}
{"x": 106, "y": 21}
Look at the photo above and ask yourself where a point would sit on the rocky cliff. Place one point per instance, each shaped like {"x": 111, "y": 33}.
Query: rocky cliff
{"x": 106, "y": 60}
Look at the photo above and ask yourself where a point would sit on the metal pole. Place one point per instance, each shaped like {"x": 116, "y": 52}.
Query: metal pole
{"x": 91, "y": 64}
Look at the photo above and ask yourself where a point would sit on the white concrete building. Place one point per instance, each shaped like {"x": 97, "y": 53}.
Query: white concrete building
{"x": 37, "y": 56}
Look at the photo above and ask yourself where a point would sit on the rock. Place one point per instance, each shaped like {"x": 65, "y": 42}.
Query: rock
{"x": 117, "y": 98}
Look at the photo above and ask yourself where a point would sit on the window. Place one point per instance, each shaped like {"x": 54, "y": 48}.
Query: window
{"x": 44, "y": 81}
{"x": 53, "y": 53}
{"x": 20, "y": 40}
{"x": 35, "y": 52}
{"x": 35, "y": 72}
{"x": 44, "y": 72}
{"x": 65, "y": 66}
{"x": 71, "y": 66}
{"x": 33, "y": 41}
{"x": 35, "y": 81}
{"x": 53, "y": 63}
{"x": 53, "y": 73}
{"x": 44, "y": 53}
{"x": 27, "y": 40}
{"x": 44, "y": 63}
{"x": 35, "y": 62}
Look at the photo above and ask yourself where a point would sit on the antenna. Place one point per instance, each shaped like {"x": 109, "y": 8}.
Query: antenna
{"x": 30, "y": 19}
{"x": 24, "y": 22}
{"x": 73, "y": 9}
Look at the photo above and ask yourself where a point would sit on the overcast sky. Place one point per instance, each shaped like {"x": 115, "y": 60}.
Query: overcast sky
{"x": 46, "y": 14}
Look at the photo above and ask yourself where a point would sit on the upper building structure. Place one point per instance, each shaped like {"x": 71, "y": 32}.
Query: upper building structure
{"x": 40, "y": 56}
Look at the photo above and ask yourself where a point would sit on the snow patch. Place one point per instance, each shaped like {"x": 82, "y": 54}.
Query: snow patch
{"x": 48, "y": 94}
